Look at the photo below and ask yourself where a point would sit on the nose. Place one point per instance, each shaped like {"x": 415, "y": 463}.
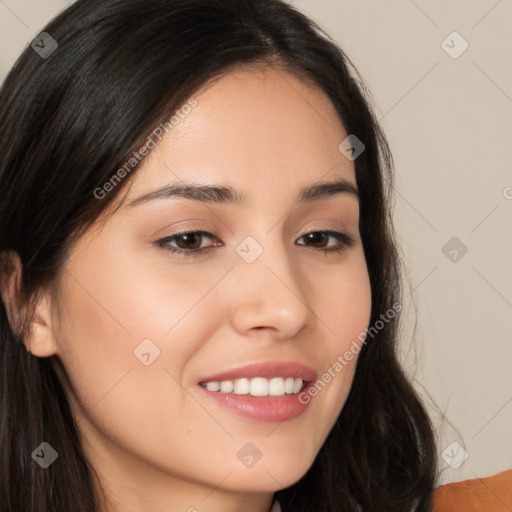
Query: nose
{"x": 270, "y": 295}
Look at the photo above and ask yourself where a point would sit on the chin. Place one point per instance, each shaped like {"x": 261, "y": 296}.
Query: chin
{"x": 272, "y": 476}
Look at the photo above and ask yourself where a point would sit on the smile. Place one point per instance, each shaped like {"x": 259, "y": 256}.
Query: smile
{"x": 257, "y": 386}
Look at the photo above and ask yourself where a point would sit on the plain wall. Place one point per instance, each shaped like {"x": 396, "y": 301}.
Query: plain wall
{"x": 449, "y": 122}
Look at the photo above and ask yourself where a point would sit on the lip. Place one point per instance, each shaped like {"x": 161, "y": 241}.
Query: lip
{"x": 266, "y": 370}
{"x": 260, "y": 408}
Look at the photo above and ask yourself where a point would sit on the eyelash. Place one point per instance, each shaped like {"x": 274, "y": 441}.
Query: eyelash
{"x": 346, "y": 242}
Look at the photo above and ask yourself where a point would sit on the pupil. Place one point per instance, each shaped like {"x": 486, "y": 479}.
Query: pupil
{"x": 187, "y": 238}
{"x": 312, "y": 236}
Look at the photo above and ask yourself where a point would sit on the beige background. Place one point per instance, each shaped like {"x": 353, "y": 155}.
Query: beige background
{"x": 449, "y": 122}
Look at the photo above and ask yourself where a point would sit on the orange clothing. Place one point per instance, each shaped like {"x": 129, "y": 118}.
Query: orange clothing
{"x": 489, "y": 494}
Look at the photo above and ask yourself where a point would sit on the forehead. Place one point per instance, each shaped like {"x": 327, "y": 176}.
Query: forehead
{"x": 257, "y": 129}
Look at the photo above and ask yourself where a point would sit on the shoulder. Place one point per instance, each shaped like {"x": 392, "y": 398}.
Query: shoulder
{"x": 489, "y": 494}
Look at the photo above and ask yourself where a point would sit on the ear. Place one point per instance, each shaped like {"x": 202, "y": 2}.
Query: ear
{"x": 39, "y": 338}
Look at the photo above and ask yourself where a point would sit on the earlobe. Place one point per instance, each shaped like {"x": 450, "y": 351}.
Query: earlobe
{"x": 39, "y": 338}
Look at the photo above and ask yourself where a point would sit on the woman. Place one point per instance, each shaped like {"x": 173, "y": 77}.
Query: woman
{"x": 200, "y": 283}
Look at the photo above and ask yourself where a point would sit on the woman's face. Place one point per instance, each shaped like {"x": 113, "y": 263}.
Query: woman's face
{"x": 140, "y": 327}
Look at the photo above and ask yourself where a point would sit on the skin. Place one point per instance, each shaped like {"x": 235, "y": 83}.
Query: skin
{"x": 156, "y": 440}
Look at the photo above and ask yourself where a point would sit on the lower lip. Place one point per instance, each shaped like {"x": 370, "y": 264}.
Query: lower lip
{"x": 262, "y": 408}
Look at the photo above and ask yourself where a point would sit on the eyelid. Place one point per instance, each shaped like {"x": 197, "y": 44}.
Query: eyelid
{"x": 345, "y": 240}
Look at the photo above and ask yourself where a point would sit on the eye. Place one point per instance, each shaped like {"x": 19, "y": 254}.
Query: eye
{"x": 189, "y": 243}
{"x": 344, "y": 240}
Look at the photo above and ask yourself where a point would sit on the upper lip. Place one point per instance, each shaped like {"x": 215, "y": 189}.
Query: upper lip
{"x": 266, "y": 370}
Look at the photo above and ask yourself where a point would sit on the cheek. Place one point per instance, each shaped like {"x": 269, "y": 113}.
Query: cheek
{"x": 114, "y": 395}
{"x": 108, "y": 315}
{"x": 345, "y": 301}
{"x": 113, "y": 305}
{"x": 350, "y": 293}
{"x": 95, "y": 345}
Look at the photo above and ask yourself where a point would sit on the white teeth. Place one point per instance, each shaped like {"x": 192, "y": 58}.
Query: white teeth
{"x": 226, "y": 386}
{"x": 242, "y": 387}
{"x": 213, "y": 386}
{"x": 288, "y": 385}
{"x": 276, "y": 387}
{"x": 297, "y": 386}
{"x": 257, "y": 386}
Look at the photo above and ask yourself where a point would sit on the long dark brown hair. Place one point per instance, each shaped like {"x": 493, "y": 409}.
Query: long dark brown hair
{"x": 70, "y": 120}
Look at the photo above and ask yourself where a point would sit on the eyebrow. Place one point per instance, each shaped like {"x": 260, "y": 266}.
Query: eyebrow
{"x": 223, "y": 194}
